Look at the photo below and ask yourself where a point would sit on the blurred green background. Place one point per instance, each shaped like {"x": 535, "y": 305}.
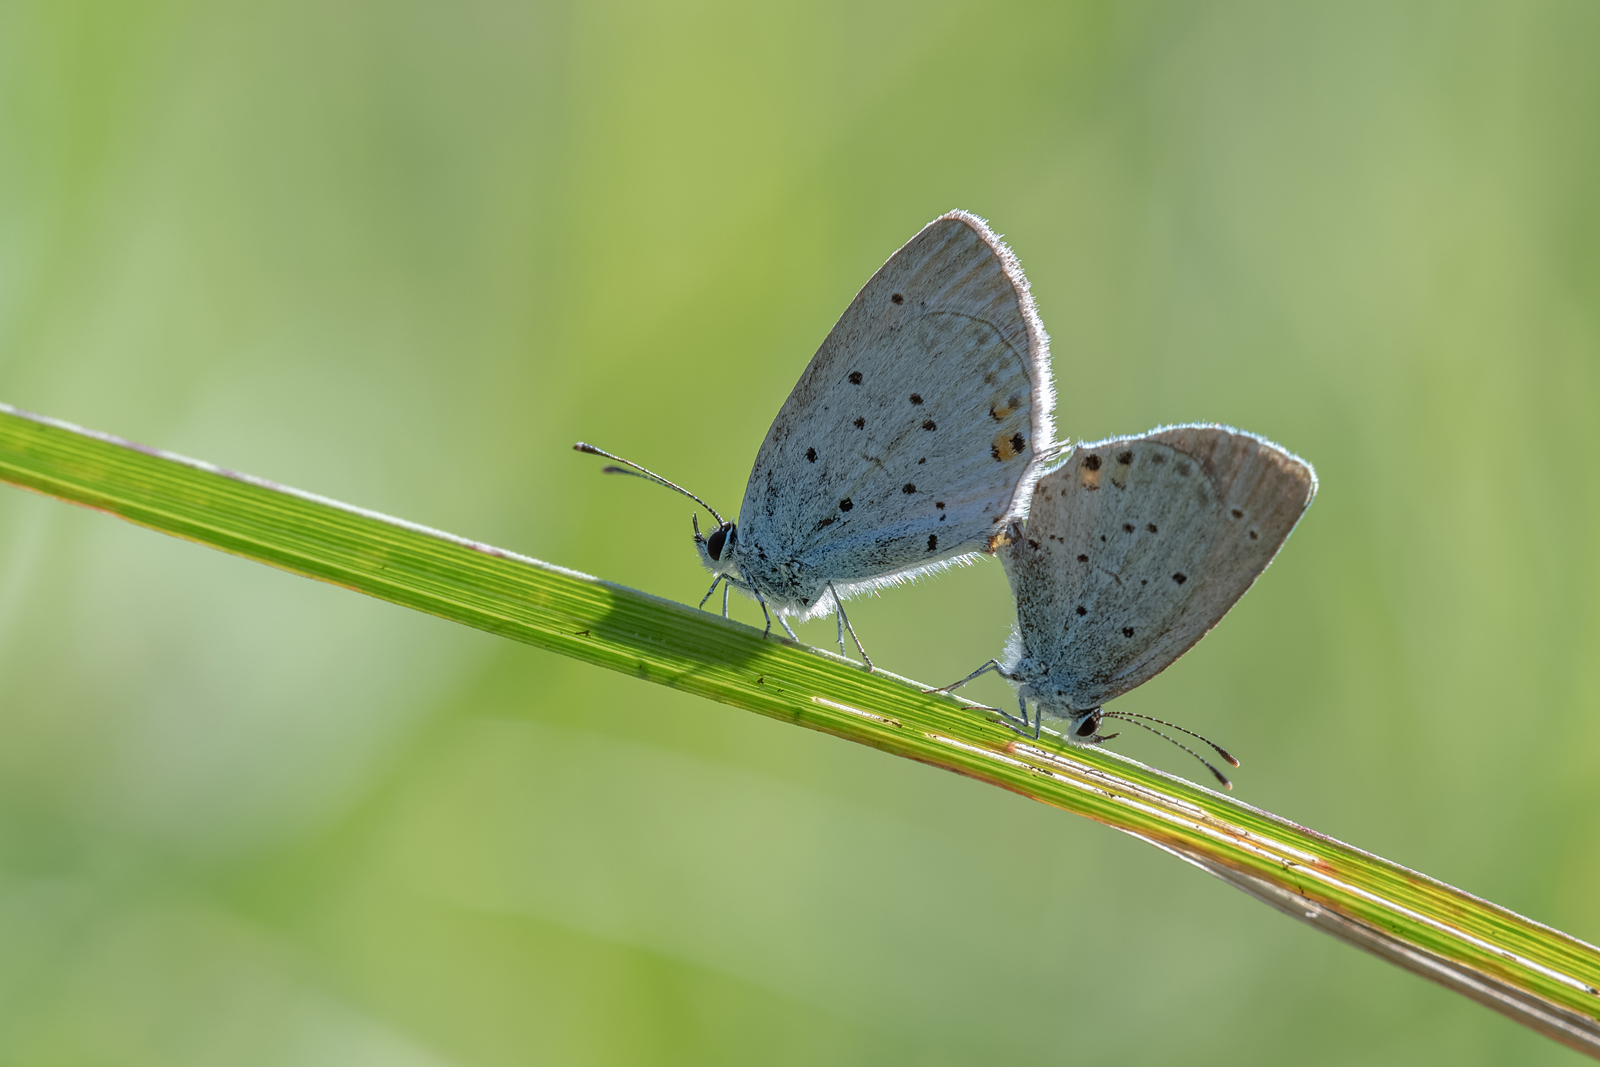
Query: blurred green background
{"x": 403, "y": 254}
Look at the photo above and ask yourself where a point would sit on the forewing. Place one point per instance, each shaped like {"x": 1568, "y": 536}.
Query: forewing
{"x": 915, "y": 432}
{"x": 1154, "y": 538}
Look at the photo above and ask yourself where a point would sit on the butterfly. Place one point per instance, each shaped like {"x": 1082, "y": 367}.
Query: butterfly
{"x": 1133, "y": 549}
{"x": 912, "y": 440}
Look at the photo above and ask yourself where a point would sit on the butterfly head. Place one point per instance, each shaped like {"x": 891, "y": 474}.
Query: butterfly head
{"x": 718, "y": 550}
{"x": 1084, "y": 728}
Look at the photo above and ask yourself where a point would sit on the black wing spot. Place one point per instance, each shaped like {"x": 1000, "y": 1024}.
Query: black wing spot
{"x": 1032, "y": 543}
{"x": 1125, "y": 458}
{"x": 1082, "y": 558}
{"x": 829, "y": 521}
{"x": 1144, "y": 581}
{"x": 1180, "y": 578}
{"x": 899, "y": 298}
{"x": 921, "y": 461}
{"x": 933, "y": 542}
{"x": 1252, "y": 535}
{"x": 1091, "y": 462}
{"x": 1102, "y": 537}
{"x": 908, "y": 489}
{"x": 811, "y": 454}
{"x": 929, "y": 424}
{"x": 1018, "y": 442}
{"x": 1127, "y": 527}
{"x": 939, "y": 504}
{"x": 1238, "y": 514}
{"x": 1182, "y": 469}
{"x": 1082, "y": 610}
{"x": 845, "y": 504}
{"x": 861, "y": 424}
{"x": 916, "y": 398}
{"x": 1127, "y": 631}
{"x": 855, "y": 377}
{"x": 1150, "y": 526}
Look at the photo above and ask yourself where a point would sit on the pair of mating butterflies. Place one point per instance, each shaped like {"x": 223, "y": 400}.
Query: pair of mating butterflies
{"x": 920, "y": 435}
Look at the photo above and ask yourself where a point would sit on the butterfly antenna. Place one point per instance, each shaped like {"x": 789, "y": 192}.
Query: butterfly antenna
{"x": 1224, "y": 753}
{"x": 648, "y": 475}
{"x": 1134, "y": 721}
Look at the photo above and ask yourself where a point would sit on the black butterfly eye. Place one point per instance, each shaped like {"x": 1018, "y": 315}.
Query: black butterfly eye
{"x": 715, "y": 542}
{"x": 1089, "y": 725}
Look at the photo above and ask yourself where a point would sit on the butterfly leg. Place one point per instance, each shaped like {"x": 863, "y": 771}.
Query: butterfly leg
{"x": 725, "y": 587}
{"x": 844, "y": 623}
{"x": 765, "y": 613}
{"x": 713, "y": 589}
{"x": 992, "y": 665}
{"x": 1019, "y": 723}
{"x": 783, "y": 620}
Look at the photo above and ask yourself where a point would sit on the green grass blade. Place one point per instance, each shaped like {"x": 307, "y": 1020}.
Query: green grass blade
{"x": 1537, "y": 976}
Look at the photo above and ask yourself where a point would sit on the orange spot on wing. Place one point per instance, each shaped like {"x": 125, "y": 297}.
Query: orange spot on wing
{"x": 1000, "y": 540}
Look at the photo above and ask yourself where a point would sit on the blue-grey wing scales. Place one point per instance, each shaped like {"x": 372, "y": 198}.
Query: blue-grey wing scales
{"x": 915, "y": 434}
{"x": 1135, "y": 547}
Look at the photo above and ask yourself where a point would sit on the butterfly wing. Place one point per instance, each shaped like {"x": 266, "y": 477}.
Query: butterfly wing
{"x": 1135, "y": 547}
{"x": 915, "y": 433}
